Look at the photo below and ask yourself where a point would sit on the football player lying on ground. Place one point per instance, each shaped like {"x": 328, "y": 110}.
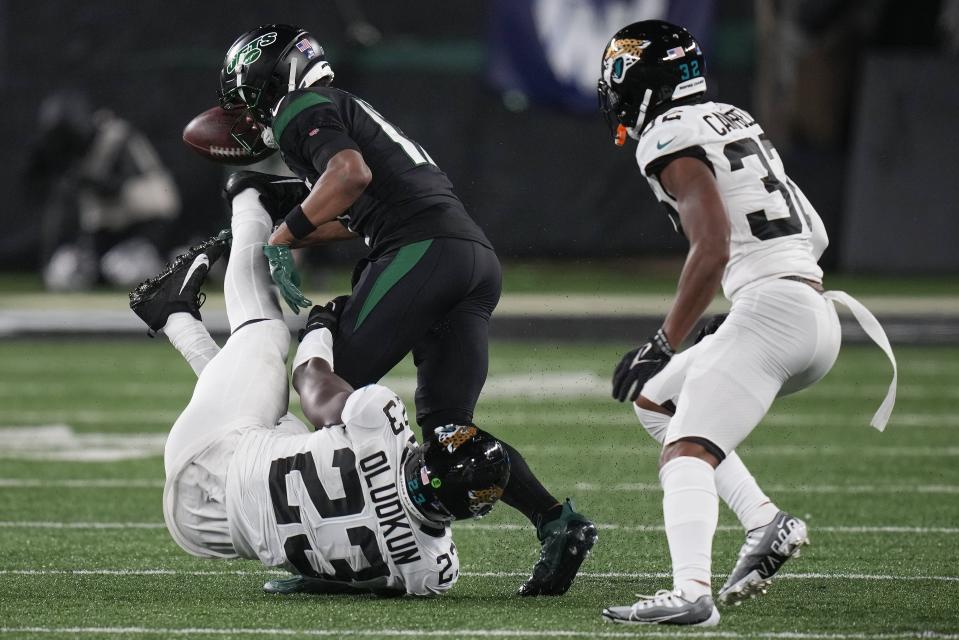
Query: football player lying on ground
{"x": 752, "y": 230}
{"x": 355, "y": 505}
{"x": 432, "y": 278}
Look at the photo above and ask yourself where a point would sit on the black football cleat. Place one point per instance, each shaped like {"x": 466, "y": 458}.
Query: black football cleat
{"x": 565, "y": 543}
{"x": 177, "y": 287}
{"x": 279, "y": 194}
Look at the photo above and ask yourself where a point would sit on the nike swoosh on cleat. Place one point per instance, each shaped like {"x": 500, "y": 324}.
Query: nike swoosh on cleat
{"x": 660, "y": 619}
{"x": 200, "y": 261}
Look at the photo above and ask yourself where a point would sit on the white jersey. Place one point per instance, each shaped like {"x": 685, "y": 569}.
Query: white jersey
{"x": 774, "y": 230}
{"x": 330, "y": 504}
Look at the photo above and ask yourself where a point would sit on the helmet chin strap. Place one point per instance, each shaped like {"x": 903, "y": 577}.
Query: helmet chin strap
{"x": 634, "y": 131}
{"x": 291, "y": 83}
{"x": 316, "y": 73}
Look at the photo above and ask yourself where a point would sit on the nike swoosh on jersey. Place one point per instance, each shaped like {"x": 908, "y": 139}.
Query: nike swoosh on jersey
{"x": 200, "y": 261}
{"x": 663, "y": 145}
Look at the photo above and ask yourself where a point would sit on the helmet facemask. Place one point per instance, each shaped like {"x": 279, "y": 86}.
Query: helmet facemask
{"x": 622, "y": 117}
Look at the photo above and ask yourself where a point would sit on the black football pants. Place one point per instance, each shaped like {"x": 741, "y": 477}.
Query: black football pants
{"x": 433, "y": 298}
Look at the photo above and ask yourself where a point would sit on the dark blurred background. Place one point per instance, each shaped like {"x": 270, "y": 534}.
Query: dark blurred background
{"x": 859, "y": 98}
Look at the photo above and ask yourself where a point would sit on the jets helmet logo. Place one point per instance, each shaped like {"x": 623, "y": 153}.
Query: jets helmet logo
{"x": 620, "y": 55}
{"x": 250, "y": 52}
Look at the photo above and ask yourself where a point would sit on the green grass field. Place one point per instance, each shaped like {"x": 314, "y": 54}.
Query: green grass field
{"x": 83, "y": 550}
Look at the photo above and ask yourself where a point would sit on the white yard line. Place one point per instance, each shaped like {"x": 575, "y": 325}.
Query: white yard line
{"x": 80, "y": 483}
{"x": 8, "y": 524}
{"x": 533, "y": 385}
{"x": 623, "y": 417}
{"x": 628, "y": 487}
{"x": 814, "y": 448}
{"x": 782, "y": 488}
{"x": 110, "y": 416}
{"x": 644, "y": 528}
{"x": 597, "y": 575}
{"x": 472, "y": 633}
{"x": 482, "y": 526}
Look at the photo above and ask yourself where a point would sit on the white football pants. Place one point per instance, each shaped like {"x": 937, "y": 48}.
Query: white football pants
{"x": 781, "y": 336}
{"x": 246, "y": 383}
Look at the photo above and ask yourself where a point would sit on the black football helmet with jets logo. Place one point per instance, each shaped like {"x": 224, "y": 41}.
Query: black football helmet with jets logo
{"x": 646, "y": 66}
{"x": 260, "y": 68}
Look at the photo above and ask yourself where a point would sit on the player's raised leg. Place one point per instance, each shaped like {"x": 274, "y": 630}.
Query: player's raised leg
{"x": 246, "y": 382}
{"x": 171, "y": 301}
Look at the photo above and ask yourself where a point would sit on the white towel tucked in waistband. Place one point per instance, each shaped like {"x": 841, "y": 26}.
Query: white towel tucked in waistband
{"x": 874, "y": 330}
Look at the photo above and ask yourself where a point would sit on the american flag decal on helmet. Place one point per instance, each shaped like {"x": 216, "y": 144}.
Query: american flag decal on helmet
{"x": 675, "y": 52}
{"x": 304, "y": 47}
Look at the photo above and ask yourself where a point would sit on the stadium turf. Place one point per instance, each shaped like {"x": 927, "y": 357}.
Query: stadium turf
{"x": 83, "y": 550}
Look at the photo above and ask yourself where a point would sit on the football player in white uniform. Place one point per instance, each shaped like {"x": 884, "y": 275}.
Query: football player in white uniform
{"x": 356, "y": 505}
{"x": 751, "y": 230}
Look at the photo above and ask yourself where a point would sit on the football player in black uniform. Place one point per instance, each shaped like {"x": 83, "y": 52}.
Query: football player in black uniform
{"x": 431, "y": 280}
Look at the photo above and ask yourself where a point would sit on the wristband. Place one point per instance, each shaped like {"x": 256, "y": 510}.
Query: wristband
{"x": 662, "y": 343}
{"x": 298, "y": 224}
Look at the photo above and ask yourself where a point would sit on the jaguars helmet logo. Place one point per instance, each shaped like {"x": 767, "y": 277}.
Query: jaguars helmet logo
{"x": 620, "y": 55}
{"x": 482, "y": 500}
{"x": 453, "y": 436}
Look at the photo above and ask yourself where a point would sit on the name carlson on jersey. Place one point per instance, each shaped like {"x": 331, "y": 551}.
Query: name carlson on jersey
{"x": 393, "y": 521}
{"x": 722, "y": 122}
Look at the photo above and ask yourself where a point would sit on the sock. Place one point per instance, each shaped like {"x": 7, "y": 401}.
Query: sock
{"x": 248, "y": 288}
{"x": 734, "y": 484}
{"x": 191, "y": 339}
{"x": 316, "y": 344}
{"x": 737, "y": 487}
{"x": 690, "y": 513}
{"x": 525, "y": 492}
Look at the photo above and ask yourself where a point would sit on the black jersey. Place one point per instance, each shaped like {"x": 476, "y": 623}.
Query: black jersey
{"x": 409, "y": 198}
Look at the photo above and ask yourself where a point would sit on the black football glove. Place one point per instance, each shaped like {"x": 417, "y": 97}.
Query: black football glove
{"x": 327, "y": 315}
{"x": 710, "y": 327}
{"x": 639, "y": 365}
{"x": 278, "y": 194}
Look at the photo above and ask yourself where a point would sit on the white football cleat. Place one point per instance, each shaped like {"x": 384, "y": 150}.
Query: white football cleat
{"x": 666, "y": 607}
{"x": 765, "y": 551}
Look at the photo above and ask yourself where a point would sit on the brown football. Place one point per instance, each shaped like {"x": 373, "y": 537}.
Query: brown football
{"x": 209, "y": 135}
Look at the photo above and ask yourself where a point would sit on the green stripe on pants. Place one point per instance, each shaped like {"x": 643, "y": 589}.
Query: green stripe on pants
{"x": 406, "y": 258}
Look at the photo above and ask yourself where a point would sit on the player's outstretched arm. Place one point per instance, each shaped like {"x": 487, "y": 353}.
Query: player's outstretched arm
{"x": 323, "y": 394}
{"x": 706, "y": 225}
{"x": 342, "y": 182}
